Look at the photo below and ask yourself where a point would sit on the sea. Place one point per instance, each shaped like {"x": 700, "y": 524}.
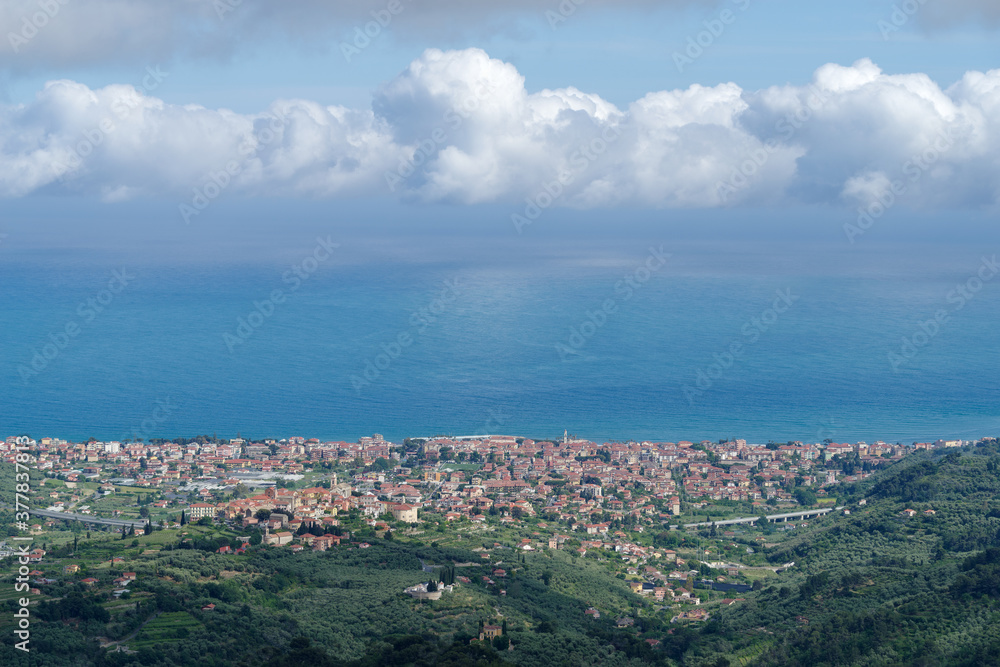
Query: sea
{"x": 634, "y": 340}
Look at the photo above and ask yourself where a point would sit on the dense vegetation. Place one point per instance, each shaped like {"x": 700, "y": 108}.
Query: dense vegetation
{"x": 873, "y": 587}
{"x": 880, "y": 588}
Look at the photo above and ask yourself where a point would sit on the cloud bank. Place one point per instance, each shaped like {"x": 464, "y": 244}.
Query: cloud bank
{"x": 460, "y": 127}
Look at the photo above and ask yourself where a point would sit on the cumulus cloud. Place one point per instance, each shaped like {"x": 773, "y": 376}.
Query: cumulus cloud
{"x": 40, "y": 34}
{"x": 459, "y": 126}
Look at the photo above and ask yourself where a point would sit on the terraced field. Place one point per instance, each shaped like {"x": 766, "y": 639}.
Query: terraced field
{"x": 165, "y": 628}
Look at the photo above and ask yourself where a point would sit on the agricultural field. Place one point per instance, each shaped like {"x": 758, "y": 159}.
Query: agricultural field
{"x": 166, "y": 628}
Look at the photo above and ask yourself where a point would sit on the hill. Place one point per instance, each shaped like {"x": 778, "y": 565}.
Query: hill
{"x": 877, "y": 586}
{"x": 905, "y": 572}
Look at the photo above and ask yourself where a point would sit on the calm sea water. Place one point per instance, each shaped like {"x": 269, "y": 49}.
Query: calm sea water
{"x": 524, "y": 347}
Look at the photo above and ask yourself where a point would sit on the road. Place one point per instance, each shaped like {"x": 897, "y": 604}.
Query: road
{"x": 769, "y": 517}
{"x": 86, "y": 518}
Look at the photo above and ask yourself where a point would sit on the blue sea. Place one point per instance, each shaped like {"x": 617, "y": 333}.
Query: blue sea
{"x": 608, "y": 341}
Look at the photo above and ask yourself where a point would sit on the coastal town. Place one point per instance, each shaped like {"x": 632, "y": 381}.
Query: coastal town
{"x": 643, "y": 504}
{"x": 571, "y": 479}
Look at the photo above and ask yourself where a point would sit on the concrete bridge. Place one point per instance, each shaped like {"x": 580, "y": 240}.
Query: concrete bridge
{"x": 773, "y": 518}
{"x": 86, "y": 518}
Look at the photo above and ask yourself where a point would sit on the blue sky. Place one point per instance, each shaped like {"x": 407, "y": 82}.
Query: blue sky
{"x": 354, "y": 130}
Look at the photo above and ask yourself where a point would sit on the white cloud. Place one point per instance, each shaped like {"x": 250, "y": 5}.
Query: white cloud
{"x": 460, "y": 127}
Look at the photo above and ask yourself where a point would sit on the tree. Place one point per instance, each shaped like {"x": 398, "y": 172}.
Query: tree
{"x": 183, "y": 518}
{"x": 805, "y": 496}
{"x": 546, "y": 626}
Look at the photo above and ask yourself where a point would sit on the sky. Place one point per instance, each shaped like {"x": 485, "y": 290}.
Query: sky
{"x": 542, "y": 144}
{"x": 120, "y": 119}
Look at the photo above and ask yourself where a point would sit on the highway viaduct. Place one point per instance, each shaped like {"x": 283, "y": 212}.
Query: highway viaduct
{"x": 86, "y": 518}
{"x": 774, "y": 518}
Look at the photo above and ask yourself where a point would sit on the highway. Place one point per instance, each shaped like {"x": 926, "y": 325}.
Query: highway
{"x": 86, "y": 518}
{"x": 770, "y": 517}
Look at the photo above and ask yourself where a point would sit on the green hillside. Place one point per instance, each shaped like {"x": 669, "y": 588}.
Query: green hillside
{"x": 877, "y": 587}
{"x": 869, "y": 587}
